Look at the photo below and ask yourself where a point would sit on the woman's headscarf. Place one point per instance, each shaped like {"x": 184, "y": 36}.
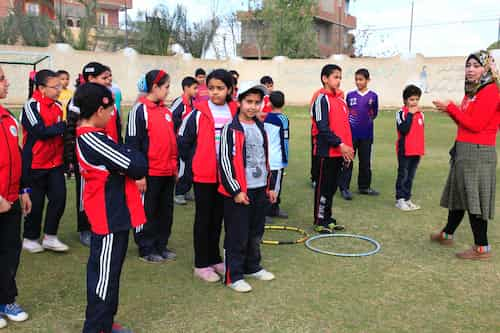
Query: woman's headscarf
{"x": 490, "y": 74}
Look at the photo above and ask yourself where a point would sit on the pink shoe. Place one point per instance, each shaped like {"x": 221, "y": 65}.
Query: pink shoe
{"x": 206, "y": 274}
{"x": 219, "y": 268}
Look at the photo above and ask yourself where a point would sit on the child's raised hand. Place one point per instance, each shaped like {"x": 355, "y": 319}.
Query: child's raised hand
{"x": 242, "y": 198}
{"x": 441, "y": 105}
{"x": 273, "y": 196}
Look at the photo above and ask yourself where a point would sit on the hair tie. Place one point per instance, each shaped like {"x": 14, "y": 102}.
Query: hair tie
{"x": 105, "y": 100}
{"x": 142, "y": 85}
{"x": 161, "y": 74}
{"x": 81, "y": 78}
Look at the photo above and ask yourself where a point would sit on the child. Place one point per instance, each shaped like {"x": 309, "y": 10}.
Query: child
{"x": 278, "y": 133}
{"x": 12, "y": 207}
{"x": 409, "y": 147}
{"x": 332, "y": 145}
{"x": 111, "y": 201}
{"x": 244, "y": 172}
{"x": 66, "y": 94}
{"x": 181, "y": 108}
{"x": 43, "y": 147}
{"x": 266, "y": 107}
{"x": 203, "y": 94}
{"x": 198, "y": 141}
{"x": 363, "y": 109}
{"x": 93, "y": 72}
{"x": 150, "y": 130}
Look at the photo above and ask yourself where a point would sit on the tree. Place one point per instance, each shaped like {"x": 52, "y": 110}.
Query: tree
{"x": 154, "y": 34}
{"x": 495, "y": 45}
{"x": 87, "y": 22}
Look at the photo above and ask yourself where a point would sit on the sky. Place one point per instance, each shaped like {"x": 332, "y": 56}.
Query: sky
{"x": 387, "y": 21}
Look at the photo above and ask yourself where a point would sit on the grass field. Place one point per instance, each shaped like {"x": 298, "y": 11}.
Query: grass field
{"x": 410, "y": 286}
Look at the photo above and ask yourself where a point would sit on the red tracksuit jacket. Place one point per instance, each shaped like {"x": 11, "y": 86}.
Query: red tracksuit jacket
{"x": 10, "y": 161}
{"x": 43, "y": 130}
{"x": 330, "y": 124}
{"x": 150, "y": 130}
{"x": 233, "y": 158}
{"x": 196, "y": 140}
{"x": 111, "y": 199}
{"x": 114, "y": 127}
{"x": 411, "y": 134}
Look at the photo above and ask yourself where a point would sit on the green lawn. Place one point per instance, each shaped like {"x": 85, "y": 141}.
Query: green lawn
{"x": 410, "y": 286}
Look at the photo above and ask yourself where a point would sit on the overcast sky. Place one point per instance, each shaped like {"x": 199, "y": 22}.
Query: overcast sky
{"x": 455, "y": 34}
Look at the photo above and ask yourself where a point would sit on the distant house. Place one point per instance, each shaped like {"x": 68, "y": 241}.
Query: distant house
{"x": 332, "y": 23}
{"x": 71, "y": 10}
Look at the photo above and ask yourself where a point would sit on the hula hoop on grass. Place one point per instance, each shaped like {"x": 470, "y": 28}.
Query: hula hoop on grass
{"x": 283, "y": 227}
{"x": 340, "y": 254}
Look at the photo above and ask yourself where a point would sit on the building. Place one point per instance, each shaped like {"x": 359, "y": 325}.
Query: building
{"x": 71, "y": 10}
{"x": 332, "y": 23}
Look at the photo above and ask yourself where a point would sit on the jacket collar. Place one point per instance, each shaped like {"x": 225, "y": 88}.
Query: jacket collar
{"x": 88, "y": 129}
{"x": 4, "y": 112}
{"x": 44, "y": 100}
{"x": 150, "y": 104}
{"x": 236, "y": 123}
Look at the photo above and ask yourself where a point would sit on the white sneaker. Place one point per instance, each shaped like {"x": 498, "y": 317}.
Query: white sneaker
{"x": 54, "y": 244}
{"x": 3, "y": 323}
{"x": 412, "y": 205}
{"x": 401, "y": 204}
{"x": 240, "y": 286}
{"x": 262, "y": 275}
{"x": 32, "y": 246}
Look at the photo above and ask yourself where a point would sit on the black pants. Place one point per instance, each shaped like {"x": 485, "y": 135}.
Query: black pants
{"x": 478, "y": 225}
{"x": 209, "y": 212}
{"x": 407, "y": 167}
{"x": 244, "y": 227}
{"x": 276, "y": 185}
{"x": 48, "y": 183}
{"x": 104, "y": 268}
{"x": 81, "y": 218}
{"x": 10, "y": 251}
{"x": 152, "y": 237}
{"x": 363, "y": 148}
{"x": 185, "y": 178}
{"x": 329, "y": 171}
{"x": 314, "y": 163}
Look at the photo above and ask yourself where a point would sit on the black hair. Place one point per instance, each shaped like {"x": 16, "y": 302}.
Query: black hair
{"x": 41, "y": 78}
{"x": 200, "y": 71}
{"x": 233, "y": 72}
{"x": 95, "y": 69}
{"x": 89, "y": 97}
{"x": 411, "y": 90}
{"x": 62, "y": 72}
{"x": 188, "y": 82}
{"x": 327, "y": 70}
{"x": 226, "y": 78}
{"x": 266, "y": 80}
{"x": 235, "y": 79}
{"x": 151, "y": 77}
{"x": 277, "y": 99}
{"x": 363, "y": 72}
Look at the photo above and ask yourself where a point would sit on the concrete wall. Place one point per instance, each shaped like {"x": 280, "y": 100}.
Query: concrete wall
{"x": 298, "y": 79}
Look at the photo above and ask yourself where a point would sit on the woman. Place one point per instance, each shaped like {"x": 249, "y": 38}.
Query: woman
{"x": 471, "y": 182}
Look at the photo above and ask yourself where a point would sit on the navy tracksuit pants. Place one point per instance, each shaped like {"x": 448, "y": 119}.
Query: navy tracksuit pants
{"x": 244, "y": 226}
{"x": 185, "y": 180}
{"x": 10, "y": 251}
{"x": 81, "y": 218}
{"x": 107, "y": 254}
{"x": 48, "y": 183}
{"x": 329, "y": 171}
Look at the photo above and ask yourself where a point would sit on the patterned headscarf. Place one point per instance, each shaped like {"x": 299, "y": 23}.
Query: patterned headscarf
{"x": 490, "y": 74}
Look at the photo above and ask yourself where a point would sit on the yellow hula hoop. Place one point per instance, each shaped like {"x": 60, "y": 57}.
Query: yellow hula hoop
{"x": 304, "y": 234}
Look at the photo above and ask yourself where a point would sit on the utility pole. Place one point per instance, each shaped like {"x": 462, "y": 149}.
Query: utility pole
{"x": 411, "y": 26}
{"x": 498, "y": 38}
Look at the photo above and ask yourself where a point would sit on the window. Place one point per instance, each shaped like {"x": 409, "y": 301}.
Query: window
{"x": 102, "y": 19}
{"x": 327, "y": 6}
{"x": 347, "y": 5}
{"x": 69, "y": 23}
{"x": 32, "y": 9}
{"x": 78, "y": 23}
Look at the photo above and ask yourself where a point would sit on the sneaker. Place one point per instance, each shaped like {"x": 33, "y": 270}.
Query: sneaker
{"x": 262, "y": 275}
{"x": 13, "y": 311}
{"x": 206, "y": 274}
{"x": 240, "y": 286}
{"x": 180, "y": 200}
{"x": 32, "y": 245}
{"x": 438, "y": 238}
{"x": 189, "y": 196}
{"x": 219, "y": 268}
{"x": 334, "y": 226}
{"x": 3, "y": 323}
{"x": 369, "y": 191}
{"x": 152, "y": 258}
{"x": 321, "y": 229}
{"x": 346, "y": 194}
{"x": 402, "y": 205}
{"x": 53, "y": 243}
{"x": 313, "y": 184}
{"x": 85, "y": 238}
{"x": 168, "y": 254}
{"x": 412, "y": 206}
{"x": 117, "y": 328}
{"x": 473, "y": 254}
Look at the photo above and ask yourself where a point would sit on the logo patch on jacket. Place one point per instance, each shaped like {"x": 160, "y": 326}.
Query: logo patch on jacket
{"x": 167, "y": 116}
{"x": 13, "y": 130}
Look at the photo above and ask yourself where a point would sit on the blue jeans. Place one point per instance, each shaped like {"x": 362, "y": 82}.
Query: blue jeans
{"x": 407, "y": 167}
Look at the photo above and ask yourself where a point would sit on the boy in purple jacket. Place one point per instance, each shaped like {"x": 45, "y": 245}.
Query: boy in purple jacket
{"x": 363, "y": 109}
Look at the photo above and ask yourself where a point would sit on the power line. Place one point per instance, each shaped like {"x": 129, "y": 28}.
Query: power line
{"x": 405, "y": 27}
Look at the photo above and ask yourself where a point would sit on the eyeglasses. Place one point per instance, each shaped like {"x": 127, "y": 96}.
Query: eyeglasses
{"x": 58, "y": 87}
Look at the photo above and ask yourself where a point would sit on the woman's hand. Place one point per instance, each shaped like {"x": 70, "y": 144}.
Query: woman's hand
{"x": 25, "y": 203}
{"x": 242, "y": 198}
{"x": 141, "y": 185}
{"x": 442, "y": 105}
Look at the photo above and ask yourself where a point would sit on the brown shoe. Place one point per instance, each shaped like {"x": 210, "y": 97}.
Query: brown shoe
{"x": 473, "y": 254}
{"x": 438, "y": 238}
